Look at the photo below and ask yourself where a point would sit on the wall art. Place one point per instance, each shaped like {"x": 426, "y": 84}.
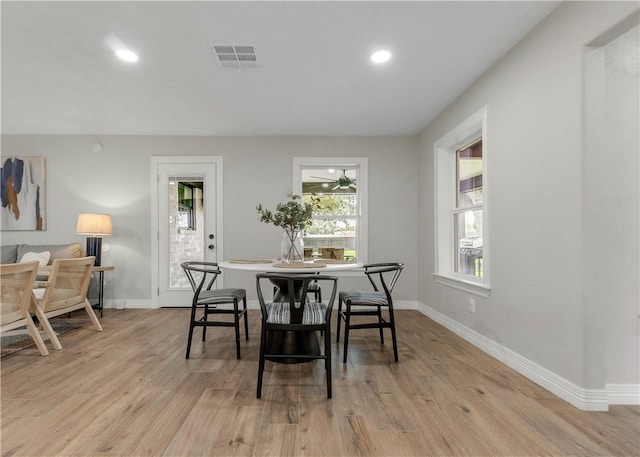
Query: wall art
{"x": 23, "y": 193}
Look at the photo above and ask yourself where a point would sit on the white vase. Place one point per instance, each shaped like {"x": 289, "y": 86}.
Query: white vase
{"x": 292, "y": 247}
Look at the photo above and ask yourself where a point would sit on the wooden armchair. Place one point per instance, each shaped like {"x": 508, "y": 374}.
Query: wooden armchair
{"x": 65, "y": 291}
{"x": 16, "y": 290}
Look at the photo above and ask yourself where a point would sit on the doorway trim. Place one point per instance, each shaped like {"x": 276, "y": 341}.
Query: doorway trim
{"x": 154, "y": 233}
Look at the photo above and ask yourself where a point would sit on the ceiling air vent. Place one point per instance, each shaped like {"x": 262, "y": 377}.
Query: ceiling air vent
{"x": 235, "y": 56}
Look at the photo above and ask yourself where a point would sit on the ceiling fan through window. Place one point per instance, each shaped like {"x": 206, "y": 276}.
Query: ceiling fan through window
{"x": 344, "y": 182}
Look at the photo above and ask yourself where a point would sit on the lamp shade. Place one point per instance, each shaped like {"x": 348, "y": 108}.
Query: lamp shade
{"x": 94, "y": 224}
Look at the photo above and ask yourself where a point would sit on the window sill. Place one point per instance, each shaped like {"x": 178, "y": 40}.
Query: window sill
{"x": 471, "y": 287}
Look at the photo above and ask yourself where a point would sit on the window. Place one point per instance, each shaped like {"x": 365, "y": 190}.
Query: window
{"x": 467, "y": 213}
{"x": 461, "y": 207}
{"x": 333, "y": 231}
{"x": 339, "y": 228}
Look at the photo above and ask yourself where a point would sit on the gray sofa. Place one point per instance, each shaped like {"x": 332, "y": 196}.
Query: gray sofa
{"x": 13, "y": 253}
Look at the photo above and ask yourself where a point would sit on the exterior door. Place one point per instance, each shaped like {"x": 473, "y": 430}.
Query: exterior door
{"x": 187, "y": 224}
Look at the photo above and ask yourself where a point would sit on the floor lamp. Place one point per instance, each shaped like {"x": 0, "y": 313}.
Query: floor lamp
{"x": 94, "y": 226}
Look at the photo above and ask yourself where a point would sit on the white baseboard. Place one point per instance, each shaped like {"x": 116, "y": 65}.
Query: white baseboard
{"x": 129, "y": 304}
{"x": 584, "y": 399}
{"x": 406, "y": 304}
{"x": 623, "y": 394}
{"x": 251, "y": 304}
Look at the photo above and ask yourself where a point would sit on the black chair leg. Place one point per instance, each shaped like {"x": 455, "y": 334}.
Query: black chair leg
{"x": 189, "y": 341}
{"x": 191, "y": 326}
{"x": 327, "y": 360}
{"x": 339, "y": 317}
{"x": 246, "y": 322}
{"x": 380, "y": 323}
{"x": 347, "y": 323}
{"x": 236, "y": 326}
{"x": 204, "y": 320}
{"x": 393, "y": 334}
{"x": 263, "y": 341}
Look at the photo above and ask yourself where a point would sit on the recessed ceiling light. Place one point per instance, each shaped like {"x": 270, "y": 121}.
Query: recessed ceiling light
{"x": 126, "y": 55}
{"x": 381, "y": 56}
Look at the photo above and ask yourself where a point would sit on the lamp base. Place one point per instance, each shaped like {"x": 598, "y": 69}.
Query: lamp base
{"x": 94, "y": 248}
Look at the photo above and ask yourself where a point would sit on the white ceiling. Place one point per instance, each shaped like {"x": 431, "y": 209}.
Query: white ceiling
{"x": 59, "y": 74}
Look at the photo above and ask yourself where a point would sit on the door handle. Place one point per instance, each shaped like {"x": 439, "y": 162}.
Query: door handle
{"x": 211, "y": 246}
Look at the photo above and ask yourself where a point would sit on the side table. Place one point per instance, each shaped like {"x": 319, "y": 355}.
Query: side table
{"x": 100, "y": 270}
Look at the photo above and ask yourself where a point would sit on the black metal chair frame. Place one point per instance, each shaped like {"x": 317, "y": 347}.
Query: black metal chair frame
{"x": 208, "y": 299}
{"x": 373, "y": 271}
{"x": 313, "y": 289}
{"x": 297, "y": 297}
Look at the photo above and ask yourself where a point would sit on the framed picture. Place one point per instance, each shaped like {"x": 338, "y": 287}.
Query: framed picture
{"x": 23, "y": 193}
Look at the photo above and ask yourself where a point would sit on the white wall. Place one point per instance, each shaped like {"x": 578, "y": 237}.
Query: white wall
{"x": 620, "y": 216}
{"x": 536, "y": 154}
{"x": 611, "y": 209}
{"x": 256, "y": 170}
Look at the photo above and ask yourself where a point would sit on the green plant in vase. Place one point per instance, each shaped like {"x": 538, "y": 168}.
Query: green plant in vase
{"x": 293, "y": 216}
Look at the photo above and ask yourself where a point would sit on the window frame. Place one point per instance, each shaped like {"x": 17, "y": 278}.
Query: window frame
{"x": 445, "y": 196}
{"x": 361, "y": 164}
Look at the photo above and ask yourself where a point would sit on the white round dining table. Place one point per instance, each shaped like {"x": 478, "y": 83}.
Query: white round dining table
{"x": 275, "y": 266}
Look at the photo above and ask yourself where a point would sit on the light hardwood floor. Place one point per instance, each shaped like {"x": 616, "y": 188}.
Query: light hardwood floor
{"x": 128, "y": 391}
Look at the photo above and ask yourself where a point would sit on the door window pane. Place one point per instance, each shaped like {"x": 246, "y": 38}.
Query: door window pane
{"x": 186, "y": 227}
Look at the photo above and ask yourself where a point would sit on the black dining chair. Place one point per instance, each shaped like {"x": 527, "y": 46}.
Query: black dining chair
{"x": 202, "y": 276}
{"x": 383, "y": 278}
{"x": 291, "y": 322}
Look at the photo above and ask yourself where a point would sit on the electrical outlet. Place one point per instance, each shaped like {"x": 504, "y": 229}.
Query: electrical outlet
{"x": 472, "y": 305}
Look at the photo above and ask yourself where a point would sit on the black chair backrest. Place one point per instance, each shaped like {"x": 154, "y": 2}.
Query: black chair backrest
{"x": 297, "y": 285}
{"x": 198, "y": 272}
{"x": 384, "y": 275}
